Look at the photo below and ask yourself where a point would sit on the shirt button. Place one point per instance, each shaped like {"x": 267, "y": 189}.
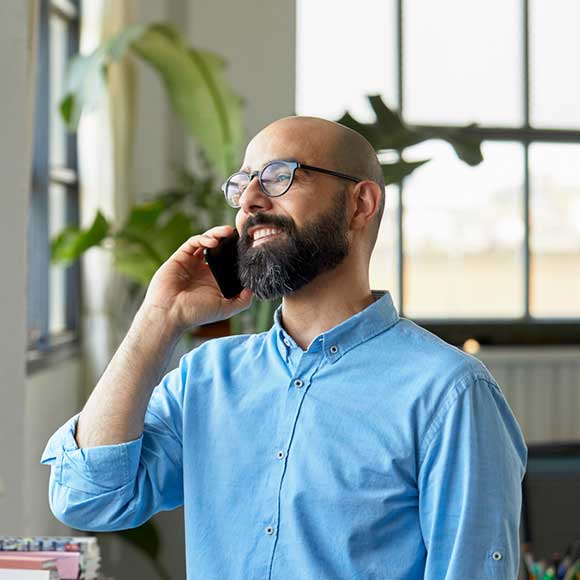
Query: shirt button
{"x": 269, "y": 530}
{"x": 280, "y": 454}
{"x": 497, "y": 556}
{"x": 286, "y": 342}
{"x": 333, "y": 349}
{"x": 298, "y": 383}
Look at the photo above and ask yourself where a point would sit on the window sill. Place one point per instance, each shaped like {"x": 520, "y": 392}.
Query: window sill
{"x": 63, "y": 347}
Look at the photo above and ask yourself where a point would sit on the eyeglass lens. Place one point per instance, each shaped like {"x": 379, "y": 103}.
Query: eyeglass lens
{"x": 275, "y": 177}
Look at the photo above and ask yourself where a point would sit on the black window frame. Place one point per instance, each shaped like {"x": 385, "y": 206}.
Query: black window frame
{"x": 521, "y": 331}
{"x": 42, "y": 346}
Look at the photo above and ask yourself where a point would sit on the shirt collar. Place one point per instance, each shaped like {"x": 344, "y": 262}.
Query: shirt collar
{"x": 362, "y": 326}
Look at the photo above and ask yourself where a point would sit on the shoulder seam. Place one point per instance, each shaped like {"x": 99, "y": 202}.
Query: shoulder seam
{"x": 466, "y": 381}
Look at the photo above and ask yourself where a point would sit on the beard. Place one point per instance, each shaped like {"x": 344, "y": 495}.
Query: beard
{"x": 285, "y": 264}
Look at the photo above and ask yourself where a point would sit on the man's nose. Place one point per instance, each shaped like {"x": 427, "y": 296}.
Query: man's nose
{"x": 253, "y": 198}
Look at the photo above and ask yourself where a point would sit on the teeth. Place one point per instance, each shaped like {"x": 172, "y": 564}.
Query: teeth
{"x": 264, "y": 232}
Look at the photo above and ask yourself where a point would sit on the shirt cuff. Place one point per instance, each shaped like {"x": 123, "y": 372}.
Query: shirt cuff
{"x": 90, "y": 469}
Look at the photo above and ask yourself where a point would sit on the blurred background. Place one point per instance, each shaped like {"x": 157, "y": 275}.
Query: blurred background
{"x": 475, "y": 112}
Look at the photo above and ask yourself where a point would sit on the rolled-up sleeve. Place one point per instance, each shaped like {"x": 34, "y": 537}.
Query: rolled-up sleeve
{"x": 115, "y": 487}
{"x": 470, "y": 486}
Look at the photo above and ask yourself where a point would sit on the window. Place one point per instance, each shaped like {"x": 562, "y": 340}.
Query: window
{"x": 490, "y": 252}
{"x": 53, "y": 291}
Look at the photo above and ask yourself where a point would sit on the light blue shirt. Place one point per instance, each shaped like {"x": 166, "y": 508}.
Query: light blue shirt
{"x": 380, "y": 452}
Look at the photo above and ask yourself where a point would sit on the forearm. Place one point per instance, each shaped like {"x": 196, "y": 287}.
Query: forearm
{"x": 115, "y": 411}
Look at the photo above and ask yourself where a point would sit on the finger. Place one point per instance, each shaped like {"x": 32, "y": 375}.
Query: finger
{"x": 224, "y": 230}
{"x": 215, "y": 234}
{"x": 194, "y": 245}
{"x": 218, "y": 232}
{"x": 195, "y": 242}
{"x": 244, "y": 298}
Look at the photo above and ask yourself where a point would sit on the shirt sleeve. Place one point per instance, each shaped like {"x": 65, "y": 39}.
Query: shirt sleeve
{"x": 115, "y": 487}
{"x": 470, "y": 486}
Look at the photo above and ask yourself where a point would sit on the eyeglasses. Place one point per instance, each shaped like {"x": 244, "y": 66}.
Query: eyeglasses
{"x": 275, "y": 179}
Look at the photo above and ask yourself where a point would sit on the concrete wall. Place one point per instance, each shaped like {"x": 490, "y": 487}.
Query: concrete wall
{"x": 15, "y": 171}
{"x": 257, "y": 38}
{"x": 52, "y": 396}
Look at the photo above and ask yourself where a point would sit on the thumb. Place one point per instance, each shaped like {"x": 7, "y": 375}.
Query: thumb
{"x": 243, "y": 300}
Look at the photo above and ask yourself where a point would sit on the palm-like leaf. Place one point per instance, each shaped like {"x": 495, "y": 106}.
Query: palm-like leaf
{"x": 390, "y": 132}
{"x": 194, "y": 80}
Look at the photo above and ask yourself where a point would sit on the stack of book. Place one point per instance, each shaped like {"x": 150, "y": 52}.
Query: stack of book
{"x": 49, "y": 558}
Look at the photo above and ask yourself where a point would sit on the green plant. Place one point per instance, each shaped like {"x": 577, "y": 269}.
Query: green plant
{"x": 390, "y": 133}
{"x": 194, "y": 80}
{"x": 211, "y": 113}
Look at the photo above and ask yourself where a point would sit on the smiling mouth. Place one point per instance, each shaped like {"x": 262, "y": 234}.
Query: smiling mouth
{"x": 266, "y": 238}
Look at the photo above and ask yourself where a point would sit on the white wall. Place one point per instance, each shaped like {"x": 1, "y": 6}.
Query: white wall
{"x": 31, "y": 408}
{"x": 14, "y": 144}
{"x": 52, "y": 396}
{"x": 257, "y": 38}
{"x": 158, "y": 144}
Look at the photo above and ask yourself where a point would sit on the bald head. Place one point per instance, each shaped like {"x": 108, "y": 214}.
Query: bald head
{"x": 332, "y": 146}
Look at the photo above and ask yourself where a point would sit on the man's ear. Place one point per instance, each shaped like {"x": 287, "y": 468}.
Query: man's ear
{"x": 367, "y": 199}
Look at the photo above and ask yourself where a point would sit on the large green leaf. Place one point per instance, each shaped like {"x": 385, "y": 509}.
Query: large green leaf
{"x": 166, "y": 238}
{"x": 142, "y": 246}
{"x": 72, "y": 241}
{"x": 143, "y": 217}
{"x": 466, "y": 147}
{"x": 135, "y": 260}
{"x": 194, "y": 80}
{"x": 395, "y": 172}
{"x": 198, "y": 93}
{"x": 389, "y": 132}
{"x": 86, "y": 77}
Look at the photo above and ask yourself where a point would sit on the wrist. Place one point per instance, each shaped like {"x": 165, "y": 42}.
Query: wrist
{"x": 157, "y": 321}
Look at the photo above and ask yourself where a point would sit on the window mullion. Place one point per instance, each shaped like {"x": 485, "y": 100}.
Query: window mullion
{"x": 38, "y": 249}
{"x": 526, "y": 205}
{"x": 400, "y": 78}
{"x": 73, "y": 273}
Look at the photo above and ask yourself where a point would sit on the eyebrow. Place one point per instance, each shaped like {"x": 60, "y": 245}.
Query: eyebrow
{"x": 248, "y": 170}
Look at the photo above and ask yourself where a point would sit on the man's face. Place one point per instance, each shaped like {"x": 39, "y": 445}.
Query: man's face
{"x": 309, "y": 219}
{"x": 276, "y": 267}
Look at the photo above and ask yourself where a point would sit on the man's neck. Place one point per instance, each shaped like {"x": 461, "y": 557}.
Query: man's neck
{"x": 323, "y": 304}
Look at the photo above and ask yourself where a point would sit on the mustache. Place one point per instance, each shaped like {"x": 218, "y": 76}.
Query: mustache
{"x": 279, "y": 222}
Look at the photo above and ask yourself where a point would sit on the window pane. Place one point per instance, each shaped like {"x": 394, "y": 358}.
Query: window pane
{"x": 464, "y": 234}
{"x": 384, "y": 260}
{"x": 463, "y": 62}
{"x": 57, "y": 291}
{"x": 555, "y": 46}
{"x": 345, "y": 51}
{"x": 58, "y": 63}
{"x": 555, "y": 230}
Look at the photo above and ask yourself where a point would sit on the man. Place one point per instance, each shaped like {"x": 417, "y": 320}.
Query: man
{"x": 345, "y": 443}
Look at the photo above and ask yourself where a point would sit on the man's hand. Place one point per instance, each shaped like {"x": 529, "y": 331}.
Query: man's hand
{"x": 182, "y": 293}
{"x": 186, "y": 291}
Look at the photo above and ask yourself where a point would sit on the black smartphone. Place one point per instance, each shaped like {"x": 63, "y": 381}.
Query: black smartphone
{"x": 223, "y": 263}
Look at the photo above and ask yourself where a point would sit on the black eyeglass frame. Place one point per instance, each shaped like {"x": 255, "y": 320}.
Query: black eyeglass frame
{"x": 293, "y": 166}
